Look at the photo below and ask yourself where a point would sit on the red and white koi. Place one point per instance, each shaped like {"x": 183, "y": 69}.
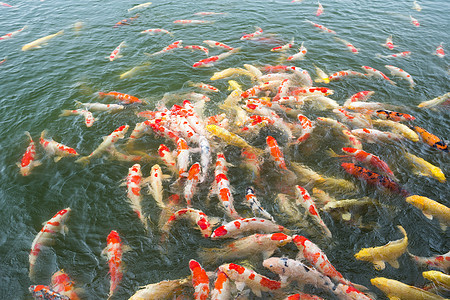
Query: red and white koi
{"x": 183, "y": 157}
{"x": 125, "y": 98}
{"x": 63, "y": 284}
{"x": 304, "y": 199}
{"x": 255, "y": 205}
{"x": 303, "y": 296}
{"x": 155, "y": 186}
{"x": 223, "y": 188}
{"x": 174, "y": 45}
{"x": 345, "y": 74}
{"x": 116, "y": 52}
{"x": 359, "y": 97}
{"x": 308, "y": 91}
{"x": 196, "y": 216}
{"x": 191, "y": 22}
{"x": 300, "y": 55}
{"x": 156, "y": 30}
{"x": 395, "y": 71}
{"x": 134, "y": 182}
{"x": 307, "y": 128}
{"x": 250, "y": 36}
{"x": 332, "y": 123}
{"x": 440, "y": 51}
{"x": 275, "y": 152}
{"x": 46, "y": 237}
{"x": 442, "y": 262}
{"x": 355, "y": 119}
{"x": 352, "y": 140}
{"x": 126, "y": 21}
{"x": 321, "y": 27}
{"x": 163, "y": 131}
{"x": 166, "y": 155}
{"x": 200, "y": 280}
{"x": 388, "y": 44}
{"x": 374, "y": 136}
{"x": 414, "y": 21}
{"x": 196, "y": 47}
{"x": 88, "y": 117}
{"x": 54, "y": 148}
{"x": 319, "y": 9}
{"x": 111, "y": 139}
{"x": 404, "y": 54}
{"x": 393, "y": 116}
{"x": 5, "y": 4}
{"x": 205, "y": 87}
{"x": 209, "y": 62}
{"x": 256, "y": 282}
{"x": 191, "y": 183}
{"x": 222, "y": 287}
{"x": 377, "y": 74}
{"x": 236, "y": 228}
{"x": 45, "y": 292}
{"x": 284, "y": 47}
{"x": 113, "y": 252}
{"x": 364, "y": 107}
{"x": 28, "y": 161}
{"x": 207, "y": 13}
{"x": 348, "y": 45}
{"x": 12, "y": 34}
{"x": 213, "y": 44}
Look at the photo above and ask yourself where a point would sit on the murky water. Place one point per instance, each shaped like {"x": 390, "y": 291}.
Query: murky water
{"x": 36, "y": 85}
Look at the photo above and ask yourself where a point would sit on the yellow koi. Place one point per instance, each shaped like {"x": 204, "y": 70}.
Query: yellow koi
{"x": 37, "y": 43}
{"x": 438, "y": 278}
{"x": 431, "y": 208}
{"x": 424, "y": 168}
{"x": 230, "y": 72}
{"x": 396, "y": 290}
{"x": 231, "y": 138}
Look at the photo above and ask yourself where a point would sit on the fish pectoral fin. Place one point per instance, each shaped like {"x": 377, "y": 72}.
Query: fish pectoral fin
{"x": 379, "y": 265}
{"x": 268, "y": 253}
{"x": 429, "y": 217}
{"x": 257, "y": 292}
{"x": 126, "y": 248}
{"x": 394, "y": 264}
{"x": 346, "y": 216}
{"x": 57, "y": 158}
{"x": 240, "y": 286}
{"x": 64, "y": 230}
{"x": 443, "y": 226}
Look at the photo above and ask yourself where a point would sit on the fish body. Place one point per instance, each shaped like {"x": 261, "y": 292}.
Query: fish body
{"x": 37, "y": 43}
{"x": 283, "y": 47}
{"x": 223, "y": 187}
{"x": 393, "y": 116}
{"x": 63, "y": 284}
{"x": 95, "y": 106}
{"x": 134, "y": 183}
{"x": 371, "y": 135}
{"x": 322, "y": 76}
{"x": 397, "y": 290}
{"x": 165, "y": 289}
{"x": 126, "y": 21}
{"x": 166, "y": 155}
{"x": 155, "y": 185}
{"x": 209, "y": 62}
{"x": 139, "y": 6}
{"x": 46, "y": 293}
{"x": 414, "y": 21}
{"x": 222, "y": 287}
{"x": 238, "y": 227}
{"x": 388, "y": 253}
{"x": 369, "y": 158}
{"x": 191, "y": 22}
{"x": 389, "y": 44}
{"x": 440, "y": 51}
{"x": 174, "y": 45}
{"x": 424, "y": 168}
{"x": 205, "y": 157}
{"x": 156, "y": 30}
{"x": 200, "y": 280}
{"x": 395, "y": 71}
{"x": 307, "y": 128}
{"x": 114, "y": 252}
{"x": 300, "y": 55}
{"x": 275, "y": 152}
{"x": 399, "y": 128}
{"x": 46, "y": 236}
{"x": 376, "y": 74}
{"x": 319, "y": 9}
{"x": 28, "y": 161}
{"x": 441, "y": 262}
{"x": 250, "y": 36}
{"x": 213, "y": 44}
{"x": 416, "y": 6}
{"x": 321, "y": 27}
{"x": 55, "y": 148}
{"x": 206, "y": 87}
{"x": 345, "y": 74}
{"x": 431, "y": 208}
{"x": 88, "y": 117}
{"x": 12, "y": 34}
{"x": 197, "y": 47}
{"x": 255, "y": 205}
{"x": 230, "y": 137}
{"x": 196, "y": 216}
{"x": 183, "y": 157}
{"x": 403, "y": 54}
{"x": 124, "y": 98}
{"x": 302, "y": 296}
{"x": 116, "y": 52}
{"x": 349, "y": 45}
{"x": 191, "y": 183}
{"x": 332, "y": 123}
{"x": 438, "y": 278}
{"x": 430, "y": 139}
{"x": 436, "y": 101}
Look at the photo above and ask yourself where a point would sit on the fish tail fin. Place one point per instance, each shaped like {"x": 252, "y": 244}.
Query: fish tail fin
{"x": 60, "y": 32}
{"x": 331, "y": 153}
{"x": 85, "y": 160}
{"x": 28, "y": 135}
{"x": 65, "y": 112}
{"x": 78, "y": 103}
{"x": 101, "y": 94}
{"x": 402, "y": 230}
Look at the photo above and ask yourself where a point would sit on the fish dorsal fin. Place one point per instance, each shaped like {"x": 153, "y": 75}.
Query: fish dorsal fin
{"x": 394, "y": 264}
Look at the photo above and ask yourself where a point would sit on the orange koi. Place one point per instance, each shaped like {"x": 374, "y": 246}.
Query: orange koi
{"x": 125, "y": 98}
{"x": 275, "y": 152}
{"x": 430, "y": 139}
{"x": 377, "y": 74}
{"x": 441, "y": 261}
{"x": 222, "y": 287}
{"x": 28, "y": 161}
{"x": 166, "y": 155}
{"x": 393, "y": 116}
{"x": 191, "y": 22}
{"x": 88, "y": 117}
{"x": 192, "y": 182}
{"x": 307, "y": 128}
{"x": 200, "y": 280}
{"x": 302, "y": 296}
{"x": 55, "y": 148}
{"x": 209, "y": 62}
{"x": 126, "y": 21}
{"x": 12, "y": 34}
{"x": 349, "y": 46}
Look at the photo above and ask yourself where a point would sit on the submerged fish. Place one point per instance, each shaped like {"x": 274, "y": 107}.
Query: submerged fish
{"x": 43, "y": 40}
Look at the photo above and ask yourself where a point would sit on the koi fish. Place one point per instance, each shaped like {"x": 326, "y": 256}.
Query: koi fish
{"x": 116, "y": 53}
{"x": 442, "y": 262}
{"x": 430, "y": 139}
{"x": 207, "y": 13}
{"x": 205, "y": 157}
{"x": 113, "y": 252}
{"x": 174, "y": 45}
{"x": 191, "y": 183}
{"x": 307, "y": 128}
{"x": 397, "y": 290}
{"x": 438, "y": 278}
{"x": 108, "y": 141}
{"x": 304, "y": 199}
{"x": 284, "y": 47}
{"x": 403, "y": 54}
{"x": 393, "y": 116}
{"x": 319, "y": 9}
{"x": 156, "y": 30}
{"x": 321, "y": 27}
{"x": 377, "y": 74}
{"x": 223, "y": 188}
{"x": 374, "y": 135}
{"x": 209, "y": 62}
{"x": 134, "y": 183}
{"x": 88, "y": 117}
{"x": 414, "y": 21}
{"x": 388, "y": 44}
{"x": 349, "y": 46}
{"x": 213, "y": 44}
{"x": 183, "y": 157}
{"x": 332, "y": 123}
{"x": 28, "y": 161}
{"x": 37, "y": 43}
{"x": 352, "y": 139}
{"x": 314, "y": 90}
{"x": 231, "y": 138}
{"x": 165, "y": 289}
{"x": 63, "y": 284}
{"x": 349, "y": 292}
{"x": 416, "y": 6}
{"x": 196, "y": 216}
{"x": 436, "y": 101}
{"x": 250, "y": 36}
{"x": 373, "y": 178}
{"x": 255, "y": 205}
{"x": 46, "y": 237}
{"x": 246, "y": 277}
{"x": 222, "y": 287}
{"x": 400, "y": 128}
{"x": 100, "y": 106}
{"x": 240, "y": 226}
{"x": 196, "y": 47}
{"x": 55, "y": 148}
{"x": 439, "y": 51}
{"x": 166, "y": 155}
{"x": 424, "y": 168}
{"x": 205, "y": 87}
{"x": 12, "y": 34}
{"x": 431, "y": 208}
{"x": 275, "y": 152}
{"x": 345, "y": 74}
{"x": 300, "y": 55}
{"x": 126, "y": 21}
{"x": 155, "y": 186}
{"x": 302, "y": 296}
{"x": 139, "y": 6}
{"x": 5, "y": 4}
{"x": 191, "y": 22}
{"x": 3, "y": 61}
{"x": 125, "y": 98}
{"x": 200, "y": 280}
{"x": 45, "y": 292}
{"x": 388, "y": 253}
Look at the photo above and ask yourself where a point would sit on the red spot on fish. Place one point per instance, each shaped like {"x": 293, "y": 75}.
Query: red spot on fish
{"x": 203, "y": 223}
{"x": 252, "y": 276}
{"x": 237, "y": 224}
{"x": 312, "y": 210}
{"x": 220, "y": 231}
{"x": 237, "y": 268}
{"x": 278, "y": 236}
{"x": 271, "y": 284}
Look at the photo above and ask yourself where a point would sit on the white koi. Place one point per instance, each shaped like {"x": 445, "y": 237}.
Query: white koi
{"x": 12, "y": 34}
{"x": 139, "y": 6}
{"x": 43, "y": 40}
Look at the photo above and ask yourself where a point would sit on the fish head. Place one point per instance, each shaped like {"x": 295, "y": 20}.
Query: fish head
{"x": 349, "y": 167}
{"x": 194, "y": 171}
{"x": 113, "y": 237}
{"x": 299, "y": 241}
{"x": 417, "y": 201}
{"x": 381, "y": 283}
{"x": 281, "y": 238}
{"x": 364, "y": 254}
{"x": 349, "y": 150}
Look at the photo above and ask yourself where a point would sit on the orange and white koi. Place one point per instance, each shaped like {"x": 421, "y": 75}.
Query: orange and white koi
{"x": 300, "y": 55}
{"x": 319, "y": 9}
{"x": 222, "y": 287}
{"x": 395, "y": 71}
{"x": 349, "y": 46}
{"x": 440, "y": 261}
{"x": 275, "y": 152}
{"x": 250, "y": 36}
{"x": 166, "y": 155}
{"x": 256, "y": 282}
{"x": 125, "y": 98}
{"x": 55, "y": 148}
{"x": 393, "y": 116}
{"x": 196, "y": 216}
{"x": 403, "y": 54}
{"x": 28, "y": 161}
{"x": 353, "y": 140}
{"x": 430, "y": 139}
{"x": 283, "y": 89}
{"x": 373, "y": 178}
{"x": 155, "y": 184}
{"x": 191, "y": 183}
{"x": 100, "y": 106}
{"x": 209, "y": 62}
{"x": 414, "y": 21}
{"x": 304, "y": 199}
{"x": 255, "y": 205}
{"x": 191, "y": 22}
{"x": 206, "y": 87}
{"x": 45, "y": 292}
{"x": 236, "y": 228}
{"x": 113, "y": 252}
{"x": 358, "y": 97}
{"x": 138, "y": 131}
{"x": 196, "y": 47}
{"x": 332, "y": 123}
{"x": 388, "y": 44}
{"x": 213, "y": 44}
{"x": 163, "y": 131}
{"x": 307, "y": 128}
{"x": 355, "y": 119}
{"x": 111, "y": 139}
{"x": 88, "y": 117}
{"x": 345, "y": 74}
{"x": 284, "y": 47}
{"x": 116, "y": 52}
{"x": 364, "y": 107}
{"x": 3, "y": 61}
{"x": 314, "y": 90}
{"x": 200, "y": 280}
{"x": 12, "y": 34}
{"x": 223, "y": 188}
{"x": 46, "y": 237}
{"x": 126, "y": 21}
{"x": 63, "y": 284}
{"x": 174, "y": 45}
{"x": 183, "y": 157}
{"x": 440, "y": 51}
{"x": 302, "y": 296}
{"x": 134, "y": 182}
{"x": 372, "y": 136}
{"x": 321, "y": 27}
{"x": 156, "y": 30}
{"x": 377, "y": 74}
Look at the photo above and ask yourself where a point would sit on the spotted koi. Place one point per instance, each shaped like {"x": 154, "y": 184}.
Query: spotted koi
{"x": 440, "y": 51}
{"x": 414, "y": 21}
{"x": 156, "y": 30}
{"x": 196, "y": 216}
{"x": 174, "y": 45}
{"x": 237, "y": 227}
{"x": 46, "y": 293}
{"x": 200, "y": 280}
{"x": 12, "y": 34}
{"x": 275, "y": 152}
{"x": 393, "y": 116}
{"x": 345, "y": 74}
{"x": 395, "y": 71}
{"x": 284, "y": 47}
{"x": 388, "y": 44}
{"x": 223, "y": 188}
{"x": 403, "y": 54}
{"x": 373, "y": 135}
{"x": 349, "y": 45}
{"x": 440, "y": 261}
{"x": 319, "y": 9}
{"x": 28, "y": 161}
{"x": 55, "y": 148}
{"x": 134, "y": 182}
{"x": 191, "y": 22}
{"x": 63, "y": 284}
{"x": 126, "y": 21}
{"x": 116, "y": 52}
{"x": 209, "y": 62}
{"x": 255, "y": 205}
{"x": 430, "y": 139}
{"x": 196, "y": 47}
{"x": 124, "y": 98}
{"x": 250, "y": 36}
{"x": 321, "y": 27}
{"x": 213, "y": 44}
{"x": 88, "y": 117}
{"x": 191, "y": 183}
{"x": 377, "y": 74}
{"x": 300, "y": 55}
{"x": 222, "y": 287}
{"x": 307, "y": 128}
